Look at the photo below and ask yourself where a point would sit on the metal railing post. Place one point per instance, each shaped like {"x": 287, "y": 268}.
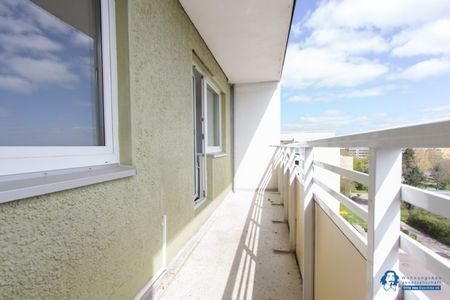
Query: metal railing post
{"x": 285, "y": 197}
{"x": 292, "y": 207}
{"x": 385, "y": 168}
{"x": 308, "y": 225}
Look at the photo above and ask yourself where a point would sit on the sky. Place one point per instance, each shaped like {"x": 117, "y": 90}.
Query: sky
{"x": 47, "y": 84}
{"x": 355, "y": 65}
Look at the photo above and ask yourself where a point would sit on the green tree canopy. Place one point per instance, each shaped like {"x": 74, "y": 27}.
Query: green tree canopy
{"x": 361, "y": 165}
{"x": 412, "y": 175}
{"x": 440, "y": 174}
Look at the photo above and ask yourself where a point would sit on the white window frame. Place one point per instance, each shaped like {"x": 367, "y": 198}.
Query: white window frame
{"x": 17, "y": 160}
{"x": 212, "y": 149}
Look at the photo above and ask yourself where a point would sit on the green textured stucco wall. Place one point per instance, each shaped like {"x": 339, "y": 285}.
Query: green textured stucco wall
{"x": 104, "y": 241}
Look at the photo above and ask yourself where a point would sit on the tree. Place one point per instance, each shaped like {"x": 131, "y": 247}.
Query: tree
{"x": 412, "y": 175}
{"x": 425, "y": 159}
{"x": 345, "y": 152}
{"x": 440, "y": 174}
{"x": 347, "y": 186}
{"x": 361, "y": 165}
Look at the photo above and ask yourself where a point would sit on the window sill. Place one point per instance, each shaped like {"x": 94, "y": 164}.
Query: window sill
{"x": 217, "y": 154}
{"x": 22, "y": 186}
{"x": 199, "y": 203}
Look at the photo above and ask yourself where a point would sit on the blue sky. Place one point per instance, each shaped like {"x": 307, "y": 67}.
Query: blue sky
{"x": 356, "y": 65}
{"x": 47, "y": 86}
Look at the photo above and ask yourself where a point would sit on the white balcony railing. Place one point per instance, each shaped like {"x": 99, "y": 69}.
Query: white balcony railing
{"x": 310, "y": 189}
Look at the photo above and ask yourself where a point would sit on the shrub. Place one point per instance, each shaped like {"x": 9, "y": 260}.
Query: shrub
{"x": 435, "y": 226}
{"x": 412, "y": 235}
{"x": 347, "y": 187}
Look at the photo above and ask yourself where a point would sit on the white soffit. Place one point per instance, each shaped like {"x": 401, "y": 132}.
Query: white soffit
{"x": 247, "y": 37}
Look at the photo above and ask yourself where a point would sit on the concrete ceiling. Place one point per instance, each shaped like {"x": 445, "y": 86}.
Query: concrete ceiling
{"x": 247, "y": 37}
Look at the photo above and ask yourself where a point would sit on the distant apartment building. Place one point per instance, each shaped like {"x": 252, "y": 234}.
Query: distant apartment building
{"x": 357, "y": 152}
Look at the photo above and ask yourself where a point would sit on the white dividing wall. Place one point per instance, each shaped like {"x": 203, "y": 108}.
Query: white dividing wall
{"x": 256, "y": 129}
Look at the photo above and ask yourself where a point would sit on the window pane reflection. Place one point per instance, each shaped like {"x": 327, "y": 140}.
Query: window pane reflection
{"x": 213, "y": 118}
{"x": 50, "y": 79}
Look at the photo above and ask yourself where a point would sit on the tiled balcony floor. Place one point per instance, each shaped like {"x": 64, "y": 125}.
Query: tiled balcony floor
{"x": 232, "y": 256}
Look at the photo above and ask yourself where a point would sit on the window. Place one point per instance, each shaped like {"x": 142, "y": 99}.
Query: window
{"x": 213, "y": 119}
{"x": 57, "y": 85}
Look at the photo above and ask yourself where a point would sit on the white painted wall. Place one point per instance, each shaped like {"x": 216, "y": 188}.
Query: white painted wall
{"x": 256, "y": 129}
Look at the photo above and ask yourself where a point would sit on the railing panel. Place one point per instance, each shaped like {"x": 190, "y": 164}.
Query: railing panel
{"x": 292, "y": 209}
{"x": 353, "y": 236}
{"x": 352, "y": 205}
{"x": 436, "y": 203}
{"x": 299, "y": 239}
{"x": 434, "y": 263}
{"x": 353, "y": 175}
{"x": 340, "y": 269}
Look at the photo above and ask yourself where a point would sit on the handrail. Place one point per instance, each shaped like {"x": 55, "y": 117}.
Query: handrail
{"x": 436, "y": 203}
{"x": 354, "y": 175}
{"x": 427, "y": 135}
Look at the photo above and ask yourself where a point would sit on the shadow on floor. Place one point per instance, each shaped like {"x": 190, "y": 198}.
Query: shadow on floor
{"x": 259, "y": 272}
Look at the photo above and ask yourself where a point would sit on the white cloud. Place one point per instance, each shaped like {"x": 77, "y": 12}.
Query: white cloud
{"x": 434, "y": 109}
{"x": 330, "y": 120}
{"x": 301, "y": 98}
{"x": 347, "y": 41}
{"x": 16, "y": 25}
{"x": 425, "y": 69}
{"x": 15, "y": 84}
{"x": 4, "y": 10}
{"x": 337, "y": 95}
{"x": 34, "y": 42}
{"x": 440, "y": 112}
{"x": 296, "y": 29}
{"x": 432, "y": 38}
{"x": 342, "y": 122}
{"x": 318, "y": 67}
{"x": 81, "y": 39}
{"x": 42, "y": 70}
{"x": 382, "y": 14}
{"x": 372, "y": 92}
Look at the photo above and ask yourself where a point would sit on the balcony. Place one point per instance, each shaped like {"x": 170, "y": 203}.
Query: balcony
{"x": 160, "y": 211}
{"x": 250, "y": 247}
{"x": 242, "y": 252}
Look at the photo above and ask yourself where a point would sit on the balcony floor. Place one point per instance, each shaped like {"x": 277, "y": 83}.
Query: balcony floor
{"x": 232, "y": 257}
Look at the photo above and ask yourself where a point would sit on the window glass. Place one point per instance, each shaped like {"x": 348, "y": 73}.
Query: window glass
{"x": 213, "y": 118}
{"x": 50, "y": 79}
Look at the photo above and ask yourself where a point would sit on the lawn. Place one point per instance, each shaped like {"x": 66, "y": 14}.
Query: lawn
{"x": 351, "y": 217}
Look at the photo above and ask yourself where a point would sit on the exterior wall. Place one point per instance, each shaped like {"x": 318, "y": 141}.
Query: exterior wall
{"x": 347, "y": 162}
{"x": 340, "y": 270}
{"x": 256, "y": 129}
{"x": 105, "y": 241}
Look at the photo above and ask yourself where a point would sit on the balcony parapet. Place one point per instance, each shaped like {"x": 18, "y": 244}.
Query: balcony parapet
{"x": 381, "y": 244}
